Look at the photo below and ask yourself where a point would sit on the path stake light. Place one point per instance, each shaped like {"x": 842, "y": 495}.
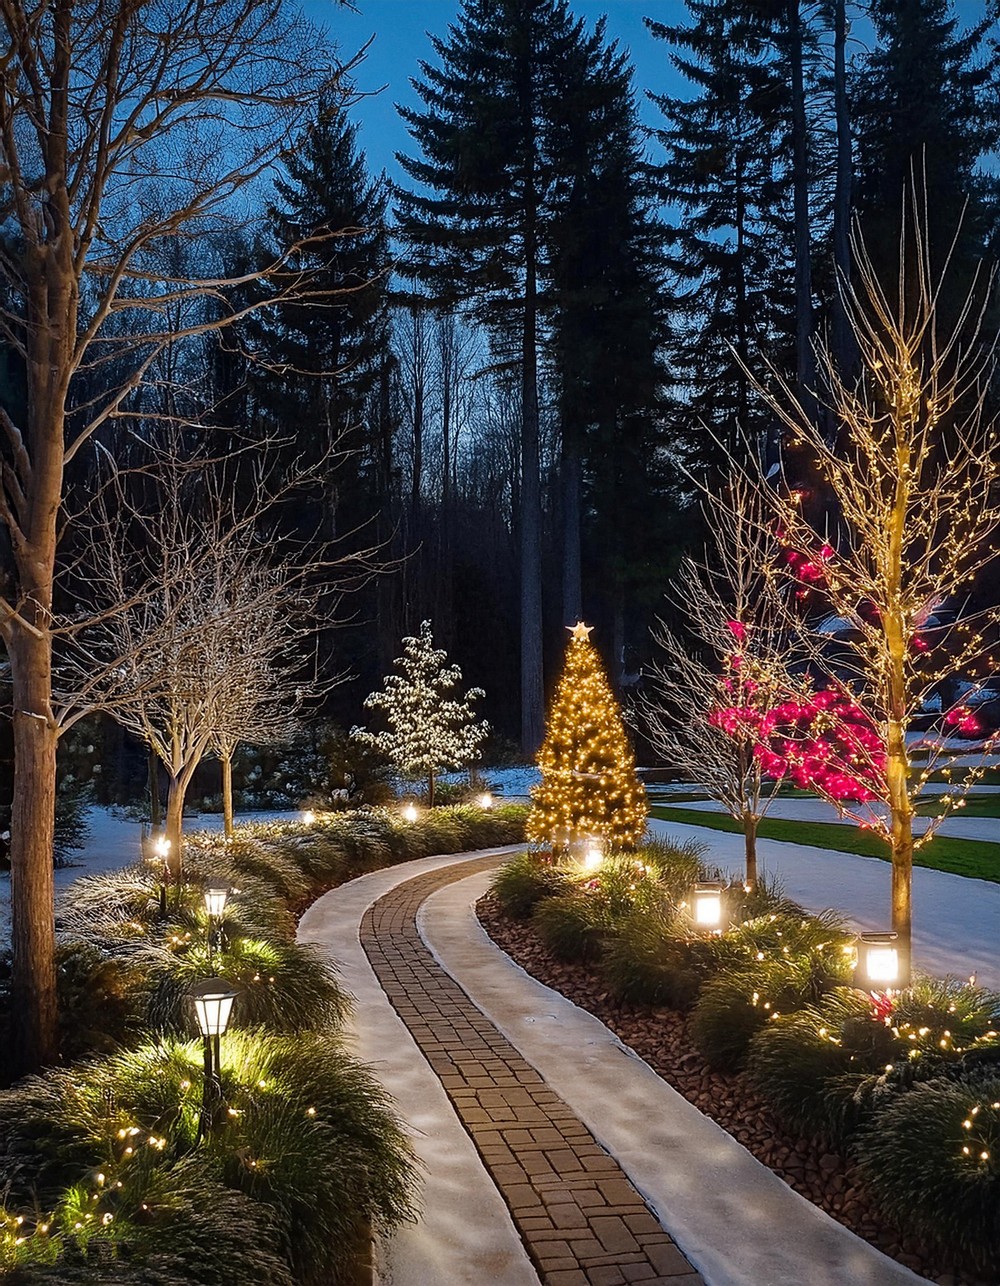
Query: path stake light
{"x": 707, "y": 907}
{"x": 486, "y": 800}
{"x": 161, "y": 856}
{"x": 308, "y": 817}
{"x": 213, "y": 1003}
{"x": 216, "y": 897}
{"x": 593, "y": 855}
{"x": 877, "y": 967}
{"x": 410, "y": 813}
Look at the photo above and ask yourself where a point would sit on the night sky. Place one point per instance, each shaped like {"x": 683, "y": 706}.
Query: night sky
{"x": 400, "y": 28}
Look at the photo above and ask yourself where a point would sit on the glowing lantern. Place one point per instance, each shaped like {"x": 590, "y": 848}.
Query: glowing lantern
{"x": 877, "y": 966}
{"x": 410, "y": 813}
{"x": 707, "y": 908}
{"x": 486, "y": 800}
{"x": 309, "y": 817}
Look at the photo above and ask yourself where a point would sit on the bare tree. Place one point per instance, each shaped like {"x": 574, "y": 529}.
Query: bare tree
{"x": 197, "y": 635}
{"x": 124, "y": 126}
{"x": 712, "y": 681}
{"x": 911, "y": 486}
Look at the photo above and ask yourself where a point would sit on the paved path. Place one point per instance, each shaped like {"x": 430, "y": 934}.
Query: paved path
{"x": 554, "y": 1154}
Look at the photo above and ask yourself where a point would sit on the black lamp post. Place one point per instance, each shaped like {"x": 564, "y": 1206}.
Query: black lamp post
{"x": 213, "y": 1002}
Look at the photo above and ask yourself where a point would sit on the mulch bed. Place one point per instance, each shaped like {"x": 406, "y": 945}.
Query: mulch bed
{"x": 660, "y": 1036}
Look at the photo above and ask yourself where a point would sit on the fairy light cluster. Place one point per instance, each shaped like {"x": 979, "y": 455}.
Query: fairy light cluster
{"x": 588, "y": 788}
{"x": 429, "y": 728}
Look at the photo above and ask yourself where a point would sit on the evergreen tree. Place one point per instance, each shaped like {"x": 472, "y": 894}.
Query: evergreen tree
{"x": 428, "y": 730}
{"x": 325, "y": 355}
{"x": 731, "y": 249}
{"x": 923, "y": 113}
{"x": 515, "y": 80}
{"x": 589, "y": 788}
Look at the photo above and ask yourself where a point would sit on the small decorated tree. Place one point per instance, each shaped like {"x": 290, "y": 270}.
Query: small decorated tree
{"x": 428, "y": 730}
{"x": 589, "y": 788}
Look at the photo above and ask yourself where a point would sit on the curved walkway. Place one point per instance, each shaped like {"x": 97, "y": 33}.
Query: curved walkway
{"x": 539, "y": 1133}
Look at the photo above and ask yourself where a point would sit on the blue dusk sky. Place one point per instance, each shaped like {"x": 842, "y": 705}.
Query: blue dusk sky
{"x": 400, "y": 30}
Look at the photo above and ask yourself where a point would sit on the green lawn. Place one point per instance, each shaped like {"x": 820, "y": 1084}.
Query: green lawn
{"x": 957, "y": 856}
{"x": 975, "y": 806}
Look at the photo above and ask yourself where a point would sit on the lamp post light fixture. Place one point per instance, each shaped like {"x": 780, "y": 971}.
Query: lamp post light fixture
{"x": 707, "y": 905}
{"x": 877, "y": 967}
{"x": 216, "y": 897}
{"x": 213, "y": 1003}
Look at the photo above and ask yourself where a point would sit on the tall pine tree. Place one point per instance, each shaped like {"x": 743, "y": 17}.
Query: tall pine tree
{"x": 496, "y": 169}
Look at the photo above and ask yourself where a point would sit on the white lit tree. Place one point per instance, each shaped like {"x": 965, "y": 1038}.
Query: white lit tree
{"x": 910, "y": 485}
{"x": 429, "y": 730}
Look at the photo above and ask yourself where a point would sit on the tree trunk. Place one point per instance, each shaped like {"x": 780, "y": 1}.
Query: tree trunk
{"x": 155, "y": 803}
{"x": 430, "y": 789}
{"x": 227, "y": 796}
{"x": 33, "y": 981}
{"x": 750, "y": 824}
{"x": 805, "y": 368}
{"x": 174, "y": 831}
{"x": 572, "y": 569}
{"x": 844, "y": 343}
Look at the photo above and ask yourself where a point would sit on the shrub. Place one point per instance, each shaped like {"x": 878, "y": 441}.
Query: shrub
{"x": 739, "y": 1000}
{"x": 572, "y": 927}
{"x": 931, "y": 1159}
{"x": 526, "y": 880}
{"x": 651, "y": 960}
{"x": 285, "y": 986}
{"x": 811, "y": 1065}
{"x": 307, "y": 1137}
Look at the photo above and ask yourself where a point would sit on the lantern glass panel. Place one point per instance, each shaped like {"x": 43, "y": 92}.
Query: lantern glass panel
{"x": 216, "y": 896}
{"x": 881, "y": 963}
{"x": 708, "y": 908}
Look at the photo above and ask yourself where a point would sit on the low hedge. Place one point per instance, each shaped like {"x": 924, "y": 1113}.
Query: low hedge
{"x": 908, "y": 1084}
{"x": 103, "y": 1173}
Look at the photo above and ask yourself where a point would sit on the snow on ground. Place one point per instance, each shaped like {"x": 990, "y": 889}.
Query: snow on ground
{"x": 113, "y": 842}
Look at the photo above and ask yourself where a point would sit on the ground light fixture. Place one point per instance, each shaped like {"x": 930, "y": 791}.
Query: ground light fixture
{"x": 216, "y": 897}
{"x": 593, "y": 854}
{"x": 486, "y": 800}
{"x": 160, "y": 847}
{"x": 707, "y": 905}
{"x": 877, "y": 967}
{"x": 213, "y": 1003}
{"x": 410, "y": 813}
{"x": 309, "y": 817}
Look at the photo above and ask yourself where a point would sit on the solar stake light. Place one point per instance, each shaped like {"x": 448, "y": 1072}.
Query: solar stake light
{"x": 213, "y": 1003}
{"x": 707, "y": 907}
{"x": 593, "y": 854}
{"x": 410, "y": 813}
{"x": 216, "y": 897}
{"x": 160, "y": 847}
{"x": 309, "y": 817}
{"x": 877, "y": 967}
{"x": 486, "y": 800}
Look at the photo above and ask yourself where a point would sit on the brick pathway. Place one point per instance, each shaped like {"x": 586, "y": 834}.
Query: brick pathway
{"x": 581, "y": 1220}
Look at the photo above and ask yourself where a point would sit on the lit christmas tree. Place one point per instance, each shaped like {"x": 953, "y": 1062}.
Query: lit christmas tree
{"x": 429, "y": 730}
{"x": 589, "y": 789}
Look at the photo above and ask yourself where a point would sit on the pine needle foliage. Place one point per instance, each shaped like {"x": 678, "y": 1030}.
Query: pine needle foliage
{"x": 589, "y": 788}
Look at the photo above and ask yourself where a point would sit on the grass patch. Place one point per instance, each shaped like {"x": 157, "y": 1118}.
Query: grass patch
{"x": 976, "y": 859}
{"x": 975, "y": 806}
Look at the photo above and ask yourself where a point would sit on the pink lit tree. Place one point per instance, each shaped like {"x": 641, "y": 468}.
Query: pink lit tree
{"x": 911, "y": 484}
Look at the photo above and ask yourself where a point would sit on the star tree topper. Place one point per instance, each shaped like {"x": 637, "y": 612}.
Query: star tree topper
{"x": 580, "y": 632}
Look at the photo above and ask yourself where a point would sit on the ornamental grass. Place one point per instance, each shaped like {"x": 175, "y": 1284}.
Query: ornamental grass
{"x": 104, "y": 1176}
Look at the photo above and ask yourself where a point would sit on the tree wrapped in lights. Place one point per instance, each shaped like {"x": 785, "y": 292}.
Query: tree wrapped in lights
{"x": 911, "y": 485}
{"x": 428, "y": 730}
{"x": 589, "y": 788}
{"x": 713, "y": 687}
